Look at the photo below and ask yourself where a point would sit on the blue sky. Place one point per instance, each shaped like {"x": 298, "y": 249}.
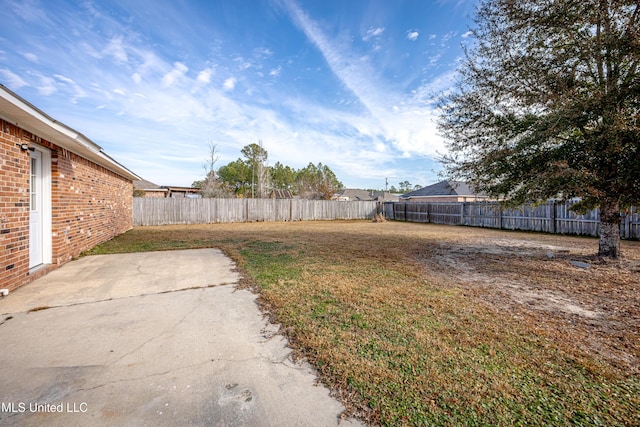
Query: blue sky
{"x": 349, "y": 83}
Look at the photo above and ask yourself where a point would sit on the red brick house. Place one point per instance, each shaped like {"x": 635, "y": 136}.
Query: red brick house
{"x": 60, "y": 194}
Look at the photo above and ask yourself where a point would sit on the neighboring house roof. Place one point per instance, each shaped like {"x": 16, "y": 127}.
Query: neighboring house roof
{"x": 280, "y": 194}
{"x": 143, "y": 184}
{"x": 444, "y": 188}
{"x": 354, "y": 194}
{"x": 23, "y": 114}
{"x": 384, "y": 196}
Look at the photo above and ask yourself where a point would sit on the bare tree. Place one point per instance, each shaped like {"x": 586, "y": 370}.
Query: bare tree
{"x": 211, "y": 186}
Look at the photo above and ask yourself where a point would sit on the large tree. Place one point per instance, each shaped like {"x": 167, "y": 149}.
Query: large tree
{"x": 547, "y": 105}
{"x": 317, "y": 182}
{"x": 256, "y": 157}
{"x": 237, "y": 175}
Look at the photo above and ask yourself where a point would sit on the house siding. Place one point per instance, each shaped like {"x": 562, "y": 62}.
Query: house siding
{"x": 89, "y": 205}
{"x": 444, "y": 199}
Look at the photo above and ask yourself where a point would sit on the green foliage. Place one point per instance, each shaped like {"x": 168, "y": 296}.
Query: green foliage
{"x": 547, "y": 104}
{"x": 237, "y": 175}
{"x": 254, "y": 153}
{"x": 282, "y": 177}
{"x": 405, "y": 186}
{"x": 317, "y": 182}
{"x": 313, "y": 181}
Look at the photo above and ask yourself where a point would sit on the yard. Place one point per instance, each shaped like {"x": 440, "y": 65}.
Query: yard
{"x": 420, "y": 324}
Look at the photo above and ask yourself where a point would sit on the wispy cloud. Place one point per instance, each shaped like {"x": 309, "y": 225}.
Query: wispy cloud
{"x": 275, "y": 71}
{"x": 373, "y": 32}
{"x": 155, "y": 107}
{"x": 178, "y": 71}
{"x": 14, "y": 81}
{"x": 31, "y": 56}
{"x": 47, "y": 86}
{"x": 116, "y": 49}
{"x": 410, "y": 128}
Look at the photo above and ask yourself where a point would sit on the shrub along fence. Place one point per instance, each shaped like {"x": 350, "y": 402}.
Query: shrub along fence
{"x": 553, "y": 217}
{"x": 166, "y": 211}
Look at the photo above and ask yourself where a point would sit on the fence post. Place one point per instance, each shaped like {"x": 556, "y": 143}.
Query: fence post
{"x": 552, "y": 216}
{"x": 625, "y": 229}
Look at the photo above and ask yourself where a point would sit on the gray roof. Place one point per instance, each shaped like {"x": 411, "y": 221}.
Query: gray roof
{"x": 356, "y": 194}
{"x": 143, "y": 184}
{"x": 444, "y": 188}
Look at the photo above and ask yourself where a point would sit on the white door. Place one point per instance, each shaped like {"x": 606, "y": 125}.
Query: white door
{"x": 36, "y": 211}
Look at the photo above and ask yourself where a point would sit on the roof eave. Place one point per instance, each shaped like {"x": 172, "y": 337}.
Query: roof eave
{"x": 23, "y": 114}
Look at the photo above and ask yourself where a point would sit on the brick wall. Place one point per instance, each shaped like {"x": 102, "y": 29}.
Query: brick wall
{"x": 89, "y": 205}
{"x": 14, "y": 208}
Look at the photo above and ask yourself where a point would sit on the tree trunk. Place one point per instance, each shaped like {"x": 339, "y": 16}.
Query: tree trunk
{"x": 609, "y": 246}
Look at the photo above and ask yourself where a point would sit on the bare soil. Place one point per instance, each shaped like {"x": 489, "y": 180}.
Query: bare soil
{"x": 553, "y": 282}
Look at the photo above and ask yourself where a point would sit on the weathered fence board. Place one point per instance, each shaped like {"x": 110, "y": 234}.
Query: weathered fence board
{"x": 549, "y": 218}
{"x": 153, "y": 211}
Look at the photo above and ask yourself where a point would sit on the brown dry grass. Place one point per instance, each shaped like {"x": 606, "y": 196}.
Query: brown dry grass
{"x": 425, "y": 324}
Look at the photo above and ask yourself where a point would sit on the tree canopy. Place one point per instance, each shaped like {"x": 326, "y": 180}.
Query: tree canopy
{"x": 251, "y": 177}
{"x": 317, "y": 182}
{"x": 547, "y": 105}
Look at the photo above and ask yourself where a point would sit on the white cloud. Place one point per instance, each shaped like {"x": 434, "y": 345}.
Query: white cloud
{"x": 413, "y": 35}
{"x": 47, "y": 86}
{"x": 447, "y": 37}
{"x": 71, "y": 83}
{"x": 262, "y": 52}
{"x": 31, "y": 57}
{"x": 178, "y": 71}
{"x": 13, "y": 81}
{"x": 204, "y": 76}
{"x": 373, "y": 32}
{"x": 116, "y": 49}
{"x": 29, "y": 11}
{"x": 229, "y": 84}
{"x": 467, "y": 34}
{"x": 275, "y": 72}
{"x": 136, "y": 77}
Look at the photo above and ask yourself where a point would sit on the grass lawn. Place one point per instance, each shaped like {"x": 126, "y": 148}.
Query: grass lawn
{"x": 416, "y": 324}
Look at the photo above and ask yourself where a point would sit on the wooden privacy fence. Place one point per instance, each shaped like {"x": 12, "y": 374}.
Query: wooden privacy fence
{"x": 166, "y": 211}
{"x": 550, "y": 218}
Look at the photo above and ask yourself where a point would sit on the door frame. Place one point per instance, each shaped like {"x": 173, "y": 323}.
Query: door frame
{"x": 45, "y": 203}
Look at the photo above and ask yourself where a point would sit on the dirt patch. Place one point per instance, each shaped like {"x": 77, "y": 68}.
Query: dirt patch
{"x": 555, "y": 284}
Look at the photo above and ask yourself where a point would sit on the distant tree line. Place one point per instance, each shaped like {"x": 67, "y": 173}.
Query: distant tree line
{"x": 404, "y": 187}
{"x": 250, "y": 176}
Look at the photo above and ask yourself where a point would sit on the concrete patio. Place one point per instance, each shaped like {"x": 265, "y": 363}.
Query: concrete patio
{"x": 156, "y": 338}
